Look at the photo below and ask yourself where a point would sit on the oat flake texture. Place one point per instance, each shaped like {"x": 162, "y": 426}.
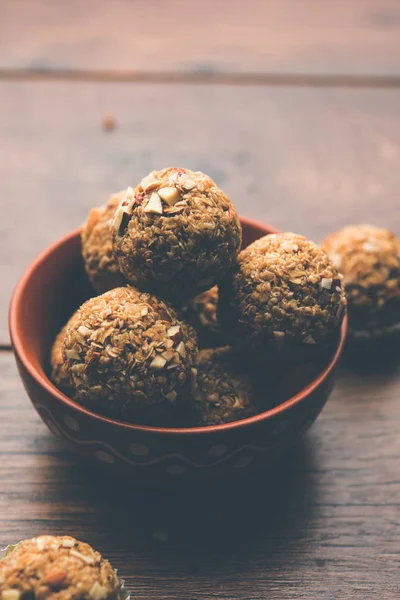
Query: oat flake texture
{"x": 369, "y": 259}
{"x": 98, "y": 257}
{"x": 57, "y": 568}
{"x": 201, "y": 312}
{"x": 284, "y": 292}
{"x": 130, "y": 356}
{"x": 176, "y": 234}
{"x": 59, "y": 375}
{"x": 224, "y": 392}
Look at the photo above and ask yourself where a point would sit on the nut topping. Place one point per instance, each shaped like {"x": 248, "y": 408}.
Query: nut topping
{"x": 72, "y": 354}
{"x": 173, "y": 331}
{"x": 168, "y": 355}
{"x": 158, "y": 362}
{"x": 85, "y": 331}
{"x": 87, "y": 559}
{"x": 55, "y": 578}
{"x": 187, "y": 183}
{"x": 154, "y": 205}
{"x": 181, "y": 349}
{"x": 128, "y": 201}
{"x": 170, "y": 195}
{"x": 11, "y": 594}
{"x": 97, "y": 592}
{"x": 149, "y": 183}
{"x": 289, "y": 247}
{"x": 326, "y": 283}
{"x": 124, "y": 211}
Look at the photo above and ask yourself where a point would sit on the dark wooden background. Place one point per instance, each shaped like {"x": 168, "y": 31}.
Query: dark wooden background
{"x": 293, "y": 106}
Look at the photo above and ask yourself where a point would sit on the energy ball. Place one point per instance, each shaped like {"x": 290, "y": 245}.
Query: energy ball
{"x": 98, "y": 257}
{"x": 223, "y": 393}
{"x": 176, "y": 234}
{"x": 369, "y": 259}
{"x": 201, "y": 312}
{"x": 283, "y": 295}
{"x": 57, "y": 568}
{"x": 129, "y": 356}
{"x": 59, "y": 374}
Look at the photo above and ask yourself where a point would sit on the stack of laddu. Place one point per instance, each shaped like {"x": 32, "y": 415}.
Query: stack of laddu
{"x": 165, "y": 258}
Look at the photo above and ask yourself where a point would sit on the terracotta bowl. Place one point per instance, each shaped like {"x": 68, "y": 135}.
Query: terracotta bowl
{"x": 50, "y": 290}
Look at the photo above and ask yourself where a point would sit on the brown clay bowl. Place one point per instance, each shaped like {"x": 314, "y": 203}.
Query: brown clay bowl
{"x": 53, "y": 286}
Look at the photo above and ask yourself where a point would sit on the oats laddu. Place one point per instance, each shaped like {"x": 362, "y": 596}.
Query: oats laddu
{"x": 201, "y": 313}
{"x": 57, "y": 568}
{"x": 224, "y": 392}
{"x": 283, "y": 295}
{"x": 176, "y": 234}
{"x": 369, "y": 258}
{"x": 130, "y": 356}
{"x": 96, "y": 238}
{"x": 59, "y": 375}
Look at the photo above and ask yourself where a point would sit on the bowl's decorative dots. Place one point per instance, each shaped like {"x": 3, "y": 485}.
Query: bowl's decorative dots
{"x": 53, "y": 427}
{"x": 175, "y": 470}
{"x": 71, "y": 423}
{"x": 243, "y": 462}
{"x": 105, "y": 457}
{"x": 217, "y": 451}
{"x": 139, "y": 449}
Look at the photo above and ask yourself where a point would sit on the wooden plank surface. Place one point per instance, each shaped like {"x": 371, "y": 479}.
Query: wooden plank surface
{"x": 325, "y": 524}
{"x": 359, "y": 37}
{"x": 304, "y": 159}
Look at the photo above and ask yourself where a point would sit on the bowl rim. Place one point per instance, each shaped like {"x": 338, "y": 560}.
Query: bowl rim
{"x": 44, "y": 382}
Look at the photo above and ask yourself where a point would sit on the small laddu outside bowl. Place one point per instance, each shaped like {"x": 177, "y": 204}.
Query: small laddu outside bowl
{"x": 53, "y": 286}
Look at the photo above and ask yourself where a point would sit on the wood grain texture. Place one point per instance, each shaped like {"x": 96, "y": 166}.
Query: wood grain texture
{"x": 357, "y": 37}
{"x": 306, "y": 160}
{"x": 325, "y": 524}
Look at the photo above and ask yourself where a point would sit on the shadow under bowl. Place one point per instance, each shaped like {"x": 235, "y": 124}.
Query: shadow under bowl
{"x": 51, "y": 289}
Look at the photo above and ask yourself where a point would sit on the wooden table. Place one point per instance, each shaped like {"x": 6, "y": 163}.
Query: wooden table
{"x": 293, "y": 106}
